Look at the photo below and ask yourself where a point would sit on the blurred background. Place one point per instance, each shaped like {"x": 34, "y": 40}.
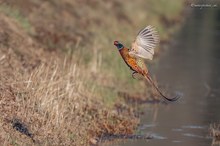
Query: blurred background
{"x": 54, "y": 52}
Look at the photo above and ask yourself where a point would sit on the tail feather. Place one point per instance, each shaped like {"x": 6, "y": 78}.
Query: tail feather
{"x": 158, "y": 90}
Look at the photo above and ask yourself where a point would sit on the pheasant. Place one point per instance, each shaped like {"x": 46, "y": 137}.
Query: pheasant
{"x": 142, "y": 48}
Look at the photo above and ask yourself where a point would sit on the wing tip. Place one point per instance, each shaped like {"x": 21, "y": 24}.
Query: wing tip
{"x": 149, "y": 32}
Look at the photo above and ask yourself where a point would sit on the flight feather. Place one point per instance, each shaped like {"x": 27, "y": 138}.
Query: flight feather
{"x": 145, "y": 43}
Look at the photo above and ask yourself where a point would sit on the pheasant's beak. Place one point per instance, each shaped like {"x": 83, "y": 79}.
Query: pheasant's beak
{"x": 115, "y": 43}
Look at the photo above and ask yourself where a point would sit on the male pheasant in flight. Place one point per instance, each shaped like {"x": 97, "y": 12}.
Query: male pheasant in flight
{"x": 142, "y": 48}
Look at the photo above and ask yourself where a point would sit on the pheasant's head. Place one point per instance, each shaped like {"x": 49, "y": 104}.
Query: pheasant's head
{"x": 118, "y": 45}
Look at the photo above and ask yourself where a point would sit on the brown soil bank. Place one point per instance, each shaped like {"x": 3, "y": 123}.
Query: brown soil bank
{"x": 48, "y": 97}
{"x": 58, "y": 74}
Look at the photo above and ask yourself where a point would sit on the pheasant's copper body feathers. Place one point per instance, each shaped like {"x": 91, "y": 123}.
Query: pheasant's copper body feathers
{"x": 131, "y": 61}
{"x": 142, "y": 48}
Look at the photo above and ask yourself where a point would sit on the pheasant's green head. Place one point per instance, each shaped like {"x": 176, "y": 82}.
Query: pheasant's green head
{"x": 118, "y": 45}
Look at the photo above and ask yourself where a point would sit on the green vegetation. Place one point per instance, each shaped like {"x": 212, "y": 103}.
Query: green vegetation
{"x": 15, "y": 13}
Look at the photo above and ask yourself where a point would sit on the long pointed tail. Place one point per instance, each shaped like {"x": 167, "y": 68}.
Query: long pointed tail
{"x": 158, "y": 90}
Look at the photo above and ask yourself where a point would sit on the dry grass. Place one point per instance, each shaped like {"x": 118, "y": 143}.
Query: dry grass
{"x": 71, "y": 101}
{"x": 54, "y": 104}
{"x": 215, "y": 133}
{"x": 55, "y": 99}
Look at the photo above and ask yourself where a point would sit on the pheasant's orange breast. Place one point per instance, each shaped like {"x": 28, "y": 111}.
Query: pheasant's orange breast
{"x": 129, "y": 60}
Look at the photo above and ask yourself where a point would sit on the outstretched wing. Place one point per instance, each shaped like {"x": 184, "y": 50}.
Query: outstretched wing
{"x": 144, "y": 44}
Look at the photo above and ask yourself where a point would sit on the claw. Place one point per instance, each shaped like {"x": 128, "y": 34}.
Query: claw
{"x": 134, "y": 74}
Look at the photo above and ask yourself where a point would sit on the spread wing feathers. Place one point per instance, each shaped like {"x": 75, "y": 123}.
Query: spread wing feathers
{"x": 144, "y": 44}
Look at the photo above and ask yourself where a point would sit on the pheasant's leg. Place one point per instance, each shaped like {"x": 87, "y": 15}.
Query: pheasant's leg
{"x": 134, "y": 74}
